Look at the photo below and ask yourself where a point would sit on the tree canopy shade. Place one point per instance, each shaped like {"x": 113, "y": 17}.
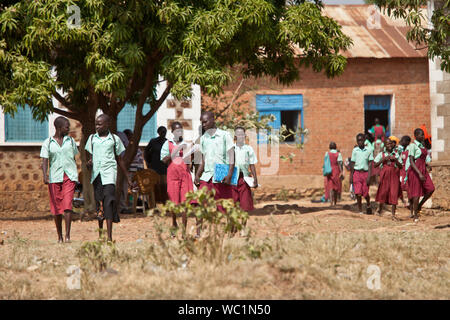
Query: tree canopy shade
{"x": 435, "y": 37}
{"x": 122, "y": 46}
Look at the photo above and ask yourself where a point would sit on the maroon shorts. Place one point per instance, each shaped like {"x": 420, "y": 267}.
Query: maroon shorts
{"x": 61, "y": 195}
{"x": 223, "y": 191}
{"x": 243, "y": 194}
{"x": 360, "y": 183}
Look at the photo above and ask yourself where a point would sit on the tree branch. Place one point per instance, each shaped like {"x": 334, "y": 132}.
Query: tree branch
{"x": 71, "y": 115}
{"x": 158, "y": 103}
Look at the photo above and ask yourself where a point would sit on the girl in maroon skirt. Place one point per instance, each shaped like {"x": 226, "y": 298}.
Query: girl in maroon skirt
{"x": 389, "y": 186}
{"x": 419, "y": 180}
{"x": 334, "y": 180}
{"x": 179, "y": 179}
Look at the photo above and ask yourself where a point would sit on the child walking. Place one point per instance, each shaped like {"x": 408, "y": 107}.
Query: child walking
{"x": 419, "y": 180}
{"x": 334, "y": 182}
{"x": 59, "y": 151}
{"x": 104, "y": 150}
{"x": 360, "y": 172}
{"x": 403, "y": 153}
{"x": 216, "y": 147}
{"x": 179, "y": 179}
{"x": 245, "y": 162}
{"x": 389, "y": 186}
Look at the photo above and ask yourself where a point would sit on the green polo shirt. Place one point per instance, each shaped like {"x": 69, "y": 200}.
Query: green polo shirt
{"x": 387, "y": 154}
{"x": 103, "y": 158}
{"x": 215, "y": 150}
{"x": 361, "y": 158}
{"x": 61, "y": 159}
{"x": 244, "y": 157}
{"x": 414, "y": 150}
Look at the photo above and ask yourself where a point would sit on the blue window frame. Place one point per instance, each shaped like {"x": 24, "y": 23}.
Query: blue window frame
{"x": 285, "y": 108}
{"x": 126, "y": 117}
{"x": 23, "y": 128}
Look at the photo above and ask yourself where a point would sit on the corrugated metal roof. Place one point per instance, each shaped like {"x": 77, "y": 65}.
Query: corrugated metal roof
{"x": 374, "y": 34}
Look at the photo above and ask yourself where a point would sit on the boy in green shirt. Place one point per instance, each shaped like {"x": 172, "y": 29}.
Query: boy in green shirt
{"x": 58, "y": 153}
{"x": 105, "y": 149}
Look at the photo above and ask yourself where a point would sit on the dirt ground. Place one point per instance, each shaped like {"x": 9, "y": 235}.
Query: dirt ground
{"x": 269, "y": 218}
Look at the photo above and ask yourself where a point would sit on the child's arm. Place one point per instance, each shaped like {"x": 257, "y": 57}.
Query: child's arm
{"x": 370, "y": 172}
{"x": 412, "y": 163}
{"x": 255, "y": 178}
{"x": 45, "y": 170}
{"x": 200, "y": 170}
{"x": 352, "y": 169}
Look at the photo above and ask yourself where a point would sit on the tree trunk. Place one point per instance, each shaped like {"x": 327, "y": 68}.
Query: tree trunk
{"x": 88, "y": 128}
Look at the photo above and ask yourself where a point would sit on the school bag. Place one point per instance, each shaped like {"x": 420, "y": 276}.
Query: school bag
{"x": 326, "y": 169}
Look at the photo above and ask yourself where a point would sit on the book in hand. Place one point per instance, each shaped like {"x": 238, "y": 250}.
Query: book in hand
{"x": 221, "y": 171}
{"x": 250, "y": 181}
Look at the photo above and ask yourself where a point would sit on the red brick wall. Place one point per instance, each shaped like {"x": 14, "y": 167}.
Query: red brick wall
{"x": 334, "y": 108}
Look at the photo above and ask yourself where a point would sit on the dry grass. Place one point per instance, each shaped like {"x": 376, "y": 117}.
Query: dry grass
{"x": 414, "y": 264}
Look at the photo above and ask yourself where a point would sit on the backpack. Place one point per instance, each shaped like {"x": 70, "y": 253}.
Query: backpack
{"x": 326, "y": 169}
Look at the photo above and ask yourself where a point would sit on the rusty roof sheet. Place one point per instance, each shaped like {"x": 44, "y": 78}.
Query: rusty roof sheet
{"x": 374, "y": 34}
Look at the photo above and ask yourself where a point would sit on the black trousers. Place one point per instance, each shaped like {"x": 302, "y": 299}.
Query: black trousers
{"x": 107, "y": 195}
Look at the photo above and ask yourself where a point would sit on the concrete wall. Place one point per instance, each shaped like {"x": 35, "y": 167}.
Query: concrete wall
{"x": 440, "y": 131}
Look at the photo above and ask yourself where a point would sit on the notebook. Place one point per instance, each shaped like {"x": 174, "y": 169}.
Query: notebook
{"x": 221, "y": 171}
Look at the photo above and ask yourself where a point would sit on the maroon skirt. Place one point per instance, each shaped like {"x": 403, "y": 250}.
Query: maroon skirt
{"x": 389, "y": 186}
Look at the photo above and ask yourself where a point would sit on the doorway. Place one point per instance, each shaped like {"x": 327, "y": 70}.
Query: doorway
{"x": 377, "y": 106}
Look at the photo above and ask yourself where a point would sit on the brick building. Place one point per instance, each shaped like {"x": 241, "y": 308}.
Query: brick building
{"x": 386, "y": 77}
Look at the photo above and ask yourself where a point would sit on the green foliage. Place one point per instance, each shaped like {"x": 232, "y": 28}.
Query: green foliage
{"x": 97, "y": 255}
{"x": 215, "y": 225}
{"x": 437, "y": 38}
{"x": 116, "y": 55}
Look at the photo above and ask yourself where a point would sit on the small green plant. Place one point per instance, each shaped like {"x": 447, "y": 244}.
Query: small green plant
{"x": 283, "y": 195}
{"x": 98, "y": 254}
{"x": 217, "y": 219}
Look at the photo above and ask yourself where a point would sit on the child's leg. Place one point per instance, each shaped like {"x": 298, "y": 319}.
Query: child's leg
{"x": 58, "y": 223}
{"x": 68, "y": 221}
{"x": 380, "y": 208}
{"x": 369, "y": 209}
{"x": 425, "y": 198}
{"x": 394, "y": 207}
{"x": 109, "y": 226}
{"x": 415, "y": 206}
{"x": 358, "y": 199}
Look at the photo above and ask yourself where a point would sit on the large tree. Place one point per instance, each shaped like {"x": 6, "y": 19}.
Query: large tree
{"x": 120, "y": 48}
{"x": 432, "y": 32}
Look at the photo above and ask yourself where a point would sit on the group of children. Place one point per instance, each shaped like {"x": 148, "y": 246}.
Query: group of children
{"x": 395, "y": 165}
{"x": 103, "y": 157}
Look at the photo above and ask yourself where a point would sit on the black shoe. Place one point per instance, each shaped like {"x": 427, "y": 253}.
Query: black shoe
{"x": 369, "y": 210}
